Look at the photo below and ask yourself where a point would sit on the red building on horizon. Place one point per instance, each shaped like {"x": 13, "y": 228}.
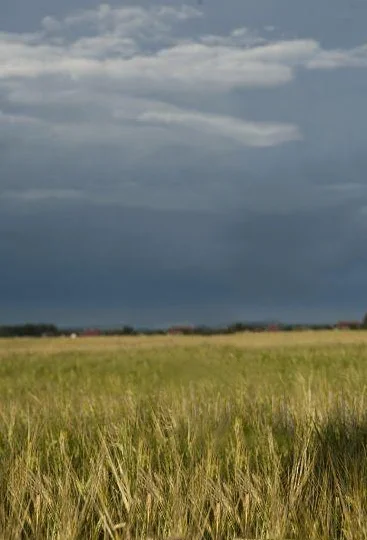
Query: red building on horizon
{"x": 91, "y": 332}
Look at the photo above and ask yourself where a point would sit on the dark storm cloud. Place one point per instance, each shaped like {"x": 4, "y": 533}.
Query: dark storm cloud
{"x": 81, "y": 255}
{"x": 85, "y": 250}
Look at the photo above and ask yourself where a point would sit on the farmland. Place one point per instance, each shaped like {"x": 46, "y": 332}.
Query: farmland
{"x": 244, "y": 436}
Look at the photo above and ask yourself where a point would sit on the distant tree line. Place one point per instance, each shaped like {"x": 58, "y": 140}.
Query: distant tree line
{"x": 29, "y": 330}
{"x": 51, "y": 330}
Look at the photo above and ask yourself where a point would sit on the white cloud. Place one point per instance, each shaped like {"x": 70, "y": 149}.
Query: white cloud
{"x": 50, "y": 24}
{"x": 190, "y": 64}
{"x": 290, "y": 53}
{"x": 256, "y": 134}
{"x": 121, "y": 68}
{"x": 133, "y": 44}
{"x": 219, "y": 68}
{"x": 353, "y": 58}
{"x": 143, "y": 24}
{"x": 131, "y": 18}
{"x": 156, "y": 123}
{"x": 240, "y": 37}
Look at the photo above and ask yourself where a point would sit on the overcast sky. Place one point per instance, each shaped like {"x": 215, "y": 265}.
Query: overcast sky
{"x": 163, "y": 162}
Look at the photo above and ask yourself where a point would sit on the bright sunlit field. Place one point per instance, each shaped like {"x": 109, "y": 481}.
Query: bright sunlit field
{"x": 249, "y": 436}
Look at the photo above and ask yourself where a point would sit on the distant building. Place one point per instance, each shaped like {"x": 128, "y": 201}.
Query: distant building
{"x": 273, "y": 328}
{"x": 348, "y": 325}
{"x": 91, "y": 332}
{"x": 180, "y": 330}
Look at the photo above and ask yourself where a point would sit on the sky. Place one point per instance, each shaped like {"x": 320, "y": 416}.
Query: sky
{"x": 165, "y": 162}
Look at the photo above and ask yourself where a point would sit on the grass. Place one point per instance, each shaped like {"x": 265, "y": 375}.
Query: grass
{"x": 242, "y": 437}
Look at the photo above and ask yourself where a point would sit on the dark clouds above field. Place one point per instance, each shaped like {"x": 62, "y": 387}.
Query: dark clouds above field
{"x": 169, "y": 162}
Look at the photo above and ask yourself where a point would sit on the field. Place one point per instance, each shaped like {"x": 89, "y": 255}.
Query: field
{"x": 248, "y": 436}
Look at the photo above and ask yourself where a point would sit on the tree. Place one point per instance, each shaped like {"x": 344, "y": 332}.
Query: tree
{"x": 128, "y": 330}
{"x": 364, "y": 322}
{"x": 30, "y": 330}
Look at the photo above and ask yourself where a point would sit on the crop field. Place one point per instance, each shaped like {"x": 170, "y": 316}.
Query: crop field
{"x": 251, "y": 436}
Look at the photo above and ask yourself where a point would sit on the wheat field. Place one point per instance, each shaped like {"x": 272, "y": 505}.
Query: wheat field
{"x": 260, "y": 436}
